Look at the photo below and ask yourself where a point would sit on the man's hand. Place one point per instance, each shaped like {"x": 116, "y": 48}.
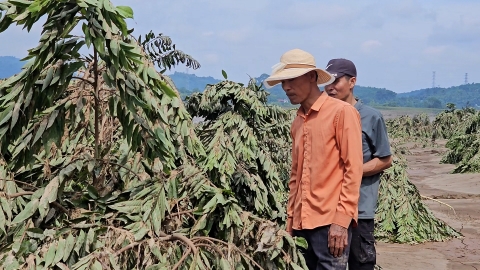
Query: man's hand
{"x": 337, "y": 240}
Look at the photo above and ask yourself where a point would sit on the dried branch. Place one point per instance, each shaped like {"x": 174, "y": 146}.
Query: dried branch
{"x": 19, "y": 194}
{"x": 230, "y": 246}
{"x": 440, "y": 202}
{"x": 17, "y": 181}
{"x": 181, "y": 213}
{"x": 84, "y": 80}
{"x": 164, "y": 237}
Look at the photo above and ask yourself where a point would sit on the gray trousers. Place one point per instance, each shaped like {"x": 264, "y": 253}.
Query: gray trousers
{"x": 317, "y": 255}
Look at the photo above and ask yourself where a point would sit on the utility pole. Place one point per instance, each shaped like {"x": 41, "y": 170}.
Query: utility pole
{"x": 433, "y": 80}
{"x": 466, "y": 78}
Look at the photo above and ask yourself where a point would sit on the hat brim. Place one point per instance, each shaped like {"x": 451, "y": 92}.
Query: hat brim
{"x": 324, "y": 77}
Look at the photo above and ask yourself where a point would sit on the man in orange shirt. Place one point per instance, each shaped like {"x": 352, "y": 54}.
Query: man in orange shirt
{"x": 327, "y": 162}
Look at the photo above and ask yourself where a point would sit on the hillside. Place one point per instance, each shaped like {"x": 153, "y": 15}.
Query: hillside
{"x": 9, "y": 66}
{"x": 462, "y": 95}
{"x": 191, "y": 82}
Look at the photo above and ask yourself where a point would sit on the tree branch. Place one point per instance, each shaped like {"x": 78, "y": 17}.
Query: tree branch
{"x": 17, "y": 181}
{"x": 163, "y": 237}
{"x": 181, "y": 213}
{"x": 84, "y": 80}
{"x": 96, "y": 87}
{"x": 229, "y": 245}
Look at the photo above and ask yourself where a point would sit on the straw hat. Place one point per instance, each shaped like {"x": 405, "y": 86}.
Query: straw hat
{"x": 296, "y": 63}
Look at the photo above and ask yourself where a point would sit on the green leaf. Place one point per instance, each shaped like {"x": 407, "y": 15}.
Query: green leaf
{"x": 2, "y": 222}
{"x": 60, "y": 251}
{"x": 90, "y": 239}
{"x": 50, "y": 254}
{"x": 27, "y": 212}
{"x": 301, "y": 242}
{"x": 224, "y": 264}
{"x": 80, "y": 242}
{"x": 224, "y": 74}
{"x": 99, "y": 43}
{"x": 48, "y": 79}
{"x": 6, "y": 207}
{"x": 114, "y": 47}
{"x": 296, "y": 266}
{"x": 35, "y": 233}
{"x": 199, "y": 225}
{"x": 125, "y": 11}
{"x": 68, "y": 247}
{"x": 15, "y": 114}
{"x": 41, "y": 130}
{"x": 49, "y": 196}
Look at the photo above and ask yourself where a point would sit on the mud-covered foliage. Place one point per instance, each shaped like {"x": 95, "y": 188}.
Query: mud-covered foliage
{"x": 401, "y": 216}
{"x": 464, "y": 143}
{"x": 406, "y": 128}
{"x": 101, "y": 167}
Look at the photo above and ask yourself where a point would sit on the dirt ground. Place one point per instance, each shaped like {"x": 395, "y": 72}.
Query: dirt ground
{"x": 460, "y": 191}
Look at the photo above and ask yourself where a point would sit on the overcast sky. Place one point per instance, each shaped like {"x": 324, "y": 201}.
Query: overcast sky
{"x": 394, "y": 44}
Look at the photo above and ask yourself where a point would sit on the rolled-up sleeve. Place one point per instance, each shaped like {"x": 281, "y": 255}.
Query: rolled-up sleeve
{"x": 349, "y": 141}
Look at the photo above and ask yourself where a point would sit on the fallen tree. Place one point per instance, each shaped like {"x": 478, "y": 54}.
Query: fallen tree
{"x": 401, "y": 216}
{"x": 100, "y": 166}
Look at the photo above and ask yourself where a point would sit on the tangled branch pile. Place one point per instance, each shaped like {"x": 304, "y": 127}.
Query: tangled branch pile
{"x": 406, "y": 128}
{"x": 464, "y": 141}
{"x": 100, "y": 165}
{"x": 401, "y": 215}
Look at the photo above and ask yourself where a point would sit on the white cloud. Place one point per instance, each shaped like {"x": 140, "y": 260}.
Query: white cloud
{"x": 370, "y": 45}
{"x": 248, "y": 37}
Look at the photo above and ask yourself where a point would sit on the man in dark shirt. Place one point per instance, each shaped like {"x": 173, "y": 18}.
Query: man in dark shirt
{"x": 376, "y": 158}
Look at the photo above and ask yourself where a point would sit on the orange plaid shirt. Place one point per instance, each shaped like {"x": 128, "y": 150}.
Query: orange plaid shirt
{"x": 327, "y": 162}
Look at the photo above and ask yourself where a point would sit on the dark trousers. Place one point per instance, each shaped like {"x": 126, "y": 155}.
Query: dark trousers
{"x": 362, "y": 251}
{"x": 317, "y": 255}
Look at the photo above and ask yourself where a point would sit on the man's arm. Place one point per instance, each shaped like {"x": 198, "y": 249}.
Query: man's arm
{"x": 292, "y": 185}
{"x": 349, "y": 140}
{"x": 381, "y": 148}
{"x": 377, "y": 165}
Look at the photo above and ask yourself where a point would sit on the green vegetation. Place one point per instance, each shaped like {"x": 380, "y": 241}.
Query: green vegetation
{"x": 459, "y": 126}
{"x": 101, "y": 167}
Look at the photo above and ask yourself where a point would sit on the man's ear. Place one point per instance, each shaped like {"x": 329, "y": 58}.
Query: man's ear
{"x": 313, "y": 76}
{"x": 353, "y": 81}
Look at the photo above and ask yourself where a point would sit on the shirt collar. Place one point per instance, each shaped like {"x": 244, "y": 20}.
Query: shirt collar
{"x": 316, "y": 106}
{"x": 359, "y": 104}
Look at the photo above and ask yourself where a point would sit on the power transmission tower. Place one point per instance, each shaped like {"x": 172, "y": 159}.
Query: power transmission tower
{"x": 466, "y": 78}
{"x": 433, "y": 80}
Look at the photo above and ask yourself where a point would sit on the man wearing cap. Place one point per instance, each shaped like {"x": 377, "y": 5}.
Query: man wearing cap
{"x": 326, "y": 162}
{"x": 376, "y": 157}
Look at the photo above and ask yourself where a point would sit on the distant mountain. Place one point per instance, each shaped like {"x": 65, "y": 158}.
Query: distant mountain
{"x": 466, "y": 95}
{"x": 462, "y": 95}
{"x": 191, "y": 82}
{"x": 9, "y": 66}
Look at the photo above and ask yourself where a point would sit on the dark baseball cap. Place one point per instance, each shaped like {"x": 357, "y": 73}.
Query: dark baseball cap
{"x": 340, "y": 67}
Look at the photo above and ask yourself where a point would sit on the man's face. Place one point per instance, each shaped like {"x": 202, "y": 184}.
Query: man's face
{"x": 298, "y": 89}
{"x": 341, "y": 88}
